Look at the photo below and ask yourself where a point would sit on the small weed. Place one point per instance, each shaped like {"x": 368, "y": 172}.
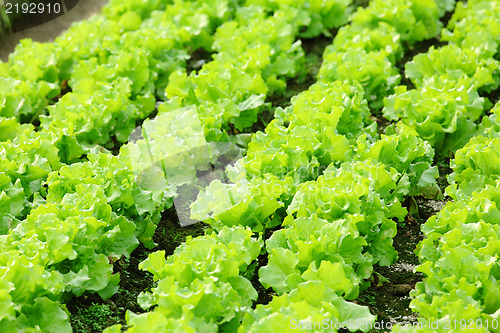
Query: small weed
{"x": 93, "y": 319}
{"x": 367, "y": 299}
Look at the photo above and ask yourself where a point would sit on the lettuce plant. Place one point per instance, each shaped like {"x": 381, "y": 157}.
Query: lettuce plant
{"x": 452, "y": 62}
{"x": 201, "y": 285}
{"x": 442, "y": 111}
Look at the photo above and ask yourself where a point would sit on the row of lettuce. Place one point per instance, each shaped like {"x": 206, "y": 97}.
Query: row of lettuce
{"x": 459, "y": 255}
{"x": 319, "y": 172}
{"x": 445, "y": 106}
{"x": 66, "y": 220}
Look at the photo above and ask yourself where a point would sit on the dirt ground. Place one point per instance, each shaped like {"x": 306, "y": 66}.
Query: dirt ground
{"x": 49, "y": 30}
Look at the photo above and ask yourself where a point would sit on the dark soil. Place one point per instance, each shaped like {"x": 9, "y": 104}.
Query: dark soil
{"x": 265, "y": 295}
{"x": 388, "y": 296}
{"x": 444, "y": 171}
{"x": 90, "y": 313}
{"x": 197, "y": 59}
{"x": 492, "y": 97}
{"x": 169, "y": 234}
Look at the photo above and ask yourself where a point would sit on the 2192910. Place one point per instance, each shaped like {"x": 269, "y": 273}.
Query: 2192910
{"x": 26, "y": 14}
{"x": 470, "y": 324}
{"x": 33, "y": 8}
